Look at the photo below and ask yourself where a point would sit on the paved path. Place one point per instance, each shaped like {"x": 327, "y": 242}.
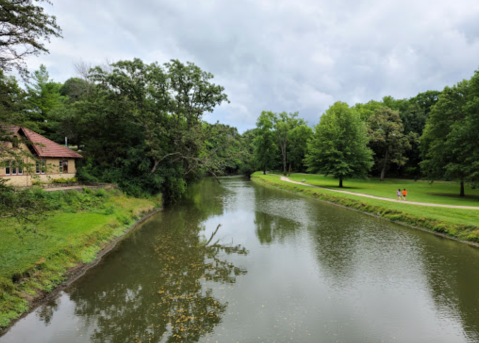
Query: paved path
{"x": 284, "y": 178}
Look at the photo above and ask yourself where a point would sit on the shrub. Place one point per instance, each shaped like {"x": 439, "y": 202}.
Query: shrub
{"x": 101, "y": 193}
{"x": 440, "y": 228}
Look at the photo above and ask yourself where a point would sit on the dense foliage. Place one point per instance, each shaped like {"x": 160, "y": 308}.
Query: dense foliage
{"x": 138, "y": 125}
{"x": 280, "y": 141}
{"x": 339, "y": 144}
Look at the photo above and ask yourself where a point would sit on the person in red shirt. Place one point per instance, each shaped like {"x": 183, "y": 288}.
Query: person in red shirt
{"x": 404, "y": 193}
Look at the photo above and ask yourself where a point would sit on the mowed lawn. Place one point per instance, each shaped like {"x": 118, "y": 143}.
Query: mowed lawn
{"x": 449, "y": 216}
{"x": 446, "y": 193}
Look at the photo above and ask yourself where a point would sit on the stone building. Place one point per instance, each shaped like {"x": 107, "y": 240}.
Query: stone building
{"x": 41, "y": 159}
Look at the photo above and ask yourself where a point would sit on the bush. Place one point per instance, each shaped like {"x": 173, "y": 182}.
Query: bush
{"x": 62, "y": 180}
{"x": 101, "y": 193}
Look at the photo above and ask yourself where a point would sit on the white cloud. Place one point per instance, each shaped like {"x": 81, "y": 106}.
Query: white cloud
{"x": 282, "y": 55}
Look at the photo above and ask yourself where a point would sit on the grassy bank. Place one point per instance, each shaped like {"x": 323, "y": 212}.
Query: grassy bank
{"x": 35, "y": 259}
{"x": 457, "y": 223}
{"x": 437, "y": 192}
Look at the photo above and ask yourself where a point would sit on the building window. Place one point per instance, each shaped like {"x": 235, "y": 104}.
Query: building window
{"x": 43, "y": 166}
{"x": 38, "y": 167}
{"x": 13, "y": 168}
{"x": 8, "y": 169}
{"x": 63, "y": 166}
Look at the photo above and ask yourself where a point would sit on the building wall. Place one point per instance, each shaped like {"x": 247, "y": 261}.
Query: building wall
{"x": 52, "y": 171}
{"x": 18, "y": 180}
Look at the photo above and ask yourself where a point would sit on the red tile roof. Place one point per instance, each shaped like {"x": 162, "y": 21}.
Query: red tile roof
{"x": 43, "y": 146}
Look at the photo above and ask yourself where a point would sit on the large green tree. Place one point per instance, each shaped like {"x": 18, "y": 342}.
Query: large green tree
{"x": 24, "y": 29}
{"x": 298, "y": 146}
{"x": 339, "y": 144}
{"x": 443, "y": 156}
{"x": 283, "y": 124}
{"x": 426, "y": 100}
{"x": 367, "y": 110}
{"x": 466, "y": 135}
{"x": 248, "y": 163}
{"x": 265, "y": 149}
{"x": 142, "y": 125}
{"x": 387, "y": 139}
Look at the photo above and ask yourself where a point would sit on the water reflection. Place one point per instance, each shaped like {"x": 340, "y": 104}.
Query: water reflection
{"x": 275, "y": 219}
{"x": 160, "y": 287}
{"x": 316, "y": 272}
{"x": 392, "y": 274}
{"x": 453, "y": 286}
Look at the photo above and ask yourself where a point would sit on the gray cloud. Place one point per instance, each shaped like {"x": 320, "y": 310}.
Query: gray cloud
{"x": 280, "y": 55}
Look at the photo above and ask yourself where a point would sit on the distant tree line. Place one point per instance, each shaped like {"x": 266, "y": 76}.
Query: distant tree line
{"x": 430, "y": 135}
{"x": 141, "y": 125}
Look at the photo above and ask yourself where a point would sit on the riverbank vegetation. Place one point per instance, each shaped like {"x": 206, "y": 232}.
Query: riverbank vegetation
{"x": 453, "y": 222}
{"x": 36, "y": 254}
{"x": 430, "y": 136}
{"x": 435, "y": 192}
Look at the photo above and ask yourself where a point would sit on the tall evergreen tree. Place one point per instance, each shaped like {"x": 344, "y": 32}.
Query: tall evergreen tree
{"x": 43, "y": 97}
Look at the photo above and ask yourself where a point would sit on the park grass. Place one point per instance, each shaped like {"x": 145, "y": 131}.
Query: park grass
{"x": 34, "y": 263}
{"x": 461, "y": 224}
{"x": 446, "y": 193}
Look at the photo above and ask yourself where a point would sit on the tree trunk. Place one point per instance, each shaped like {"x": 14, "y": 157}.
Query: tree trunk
{"x": 289, "y": 174}
{"x": 341, "y": 182}
{"x": 264, "y": 171}
{"x": 216, "y": 177}
{"x": 383, "y": 171}
{"x": 462, "y": 188}
{"x": 285, "y": 170}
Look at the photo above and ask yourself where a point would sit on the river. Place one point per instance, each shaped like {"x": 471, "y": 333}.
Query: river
{"x": 240, "y": 262}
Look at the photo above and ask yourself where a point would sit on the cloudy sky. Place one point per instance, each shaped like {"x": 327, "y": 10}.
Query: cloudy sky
{"x": 279, "y": 55}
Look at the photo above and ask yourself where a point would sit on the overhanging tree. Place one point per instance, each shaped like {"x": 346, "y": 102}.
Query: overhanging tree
{"x": 339, "y": 145}
{"x": 150, "y": 118}
{"x": 24, "y": 29}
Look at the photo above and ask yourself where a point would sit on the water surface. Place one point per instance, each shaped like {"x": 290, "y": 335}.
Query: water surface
{"x": 239, "y": 262}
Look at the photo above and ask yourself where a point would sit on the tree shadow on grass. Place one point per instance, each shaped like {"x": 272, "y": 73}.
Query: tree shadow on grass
{"x": 455, "y": 196}
{"x": 344, "y": 188}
